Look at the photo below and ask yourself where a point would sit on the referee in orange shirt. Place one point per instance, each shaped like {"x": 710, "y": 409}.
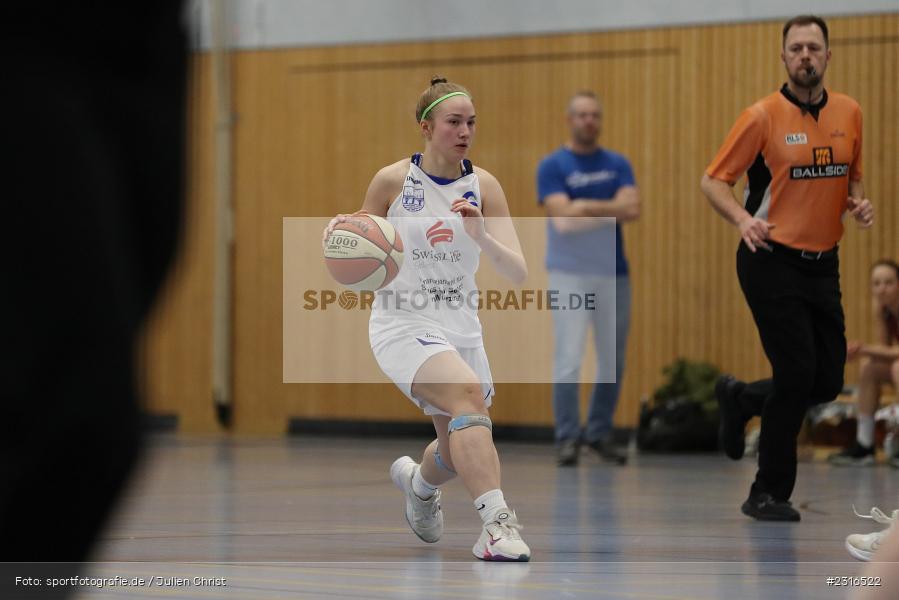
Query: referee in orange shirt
{"x": 801, "y": 149}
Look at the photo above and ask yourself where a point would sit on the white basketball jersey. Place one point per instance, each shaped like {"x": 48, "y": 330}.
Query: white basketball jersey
{"x": 437, "y": 278}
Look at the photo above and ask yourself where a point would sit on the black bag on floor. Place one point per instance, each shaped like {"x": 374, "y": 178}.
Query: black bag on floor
{"x": 683, "y": 415}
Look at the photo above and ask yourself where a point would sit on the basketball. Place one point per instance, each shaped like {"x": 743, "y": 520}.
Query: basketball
{"x": 364, "y": 253}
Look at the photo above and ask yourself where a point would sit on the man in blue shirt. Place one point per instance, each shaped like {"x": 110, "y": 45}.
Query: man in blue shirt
{"x": 576, "y": 182}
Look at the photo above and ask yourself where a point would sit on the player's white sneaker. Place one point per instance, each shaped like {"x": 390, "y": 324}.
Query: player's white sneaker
{"x": 862, "y": 546}
{"x": 424, "y": 516}
{"x": 501, "y": 540}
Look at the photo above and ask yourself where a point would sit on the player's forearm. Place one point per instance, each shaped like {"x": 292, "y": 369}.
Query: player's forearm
{"x": 507, "y": 262}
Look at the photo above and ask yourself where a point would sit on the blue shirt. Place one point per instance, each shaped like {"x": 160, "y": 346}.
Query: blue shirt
{"x": 596, "y": 176}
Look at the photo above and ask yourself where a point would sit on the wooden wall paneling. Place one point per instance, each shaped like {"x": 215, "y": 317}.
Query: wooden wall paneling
{"x": 864, "y": 62}
{"x": 176, "y": 351}
{"x": 314, "y": 125}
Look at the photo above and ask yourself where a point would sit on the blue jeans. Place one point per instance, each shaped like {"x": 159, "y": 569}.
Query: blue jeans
{"x": 610, "y": 322}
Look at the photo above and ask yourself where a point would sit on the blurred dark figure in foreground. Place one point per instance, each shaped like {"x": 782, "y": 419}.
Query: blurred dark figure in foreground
{"x": 93, "y": 125}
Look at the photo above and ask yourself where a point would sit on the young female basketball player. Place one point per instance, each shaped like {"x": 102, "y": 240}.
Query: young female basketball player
{"x": 424, "y": 328}
{"x": 879, "y": 363}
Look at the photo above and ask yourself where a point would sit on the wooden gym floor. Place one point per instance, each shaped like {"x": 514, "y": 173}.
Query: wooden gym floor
{"x": 315, "y": 517}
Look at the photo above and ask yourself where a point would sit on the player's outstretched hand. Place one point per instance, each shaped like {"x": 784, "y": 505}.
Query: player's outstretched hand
{"x": 472, "y": 217}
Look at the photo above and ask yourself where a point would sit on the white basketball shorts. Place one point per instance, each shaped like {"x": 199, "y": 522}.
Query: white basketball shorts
{"x": 405, "y": 344}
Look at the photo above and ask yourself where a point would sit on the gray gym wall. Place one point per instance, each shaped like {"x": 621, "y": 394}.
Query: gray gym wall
{"x": 291, "y": 23}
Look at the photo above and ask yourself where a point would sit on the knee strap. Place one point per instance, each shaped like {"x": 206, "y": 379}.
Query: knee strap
{"x": 464, "y": 421}
{"x": 439, "y": 460}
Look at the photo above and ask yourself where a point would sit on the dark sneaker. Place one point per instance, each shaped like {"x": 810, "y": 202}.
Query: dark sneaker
{"x": 732, "y": 427}
{"x": 764, "y": 507}
{"x": 855, "y": 455}
{"x": 608, "y": 451}
{"x": 568, "y": 453}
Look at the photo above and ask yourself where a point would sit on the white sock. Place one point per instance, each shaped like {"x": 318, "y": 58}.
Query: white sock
{"x": 420, "y": 486}
{"x": 864, "y": 432}
{"x": 489, "y": 504}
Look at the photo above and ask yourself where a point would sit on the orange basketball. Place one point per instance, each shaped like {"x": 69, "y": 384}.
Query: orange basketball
{"x": 364, "y": 253}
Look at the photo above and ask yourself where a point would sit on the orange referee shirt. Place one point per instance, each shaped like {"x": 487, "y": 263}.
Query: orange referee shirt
{"x": 799, "y": 160}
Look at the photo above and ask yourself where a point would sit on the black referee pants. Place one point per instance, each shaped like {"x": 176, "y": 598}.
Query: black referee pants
{"x": 796, "y": 305}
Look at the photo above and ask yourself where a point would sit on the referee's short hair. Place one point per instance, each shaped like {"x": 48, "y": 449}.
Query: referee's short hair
{"x": 801, "y": 20}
